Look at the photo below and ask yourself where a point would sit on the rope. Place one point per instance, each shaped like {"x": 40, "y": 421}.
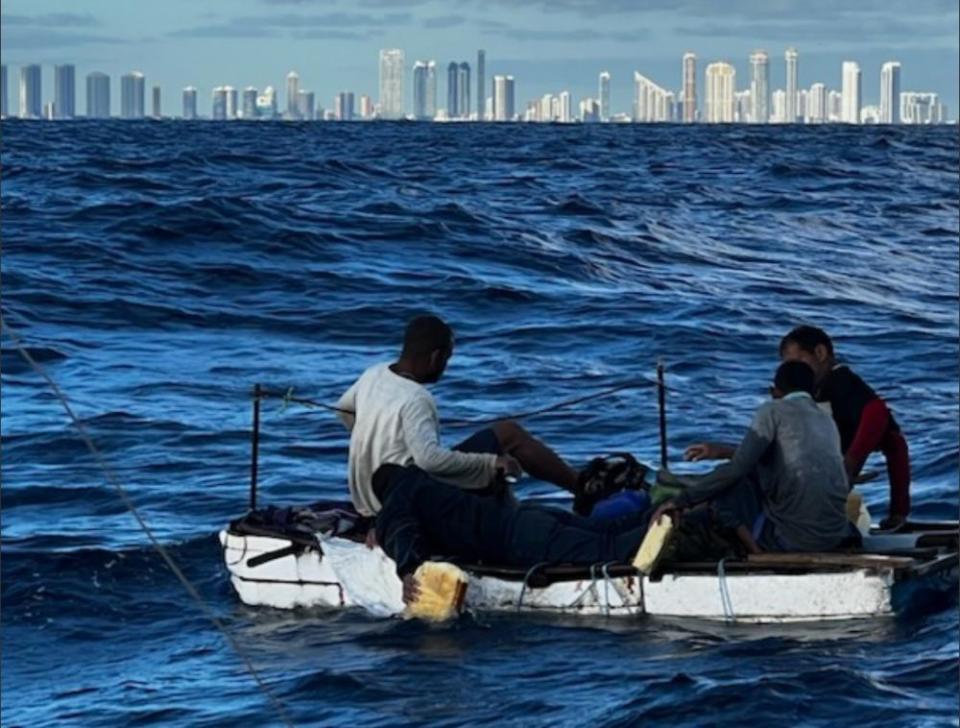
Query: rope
{"x": 288, "y": 398}
{"x": 121, "y": 491}
{"x": 606, "y": 586}
{"x": 526, "y": 578}
{"x": 728, "y": 616}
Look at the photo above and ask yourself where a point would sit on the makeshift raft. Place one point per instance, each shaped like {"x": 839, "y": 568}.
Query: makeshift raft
{"x": 316, "y": 557}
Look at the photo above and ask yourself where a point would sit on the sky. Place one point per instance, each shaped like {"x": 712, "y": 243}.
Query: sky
{"x": 547, "y": 45}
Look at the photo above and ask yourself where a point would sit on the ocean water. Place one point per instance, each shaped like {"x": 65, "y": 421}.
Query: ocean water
{"x": 159, "y": 270}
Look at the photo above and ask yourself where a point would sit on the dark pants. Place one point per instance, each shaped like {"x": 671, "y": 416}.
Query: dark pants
{"x": 423, "y": 519}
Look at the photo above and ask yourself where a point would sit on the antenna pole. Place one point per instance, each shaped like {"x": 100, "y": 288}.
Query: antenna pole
{"x": 254, "y": 446}
{"x": 662, "y": 405}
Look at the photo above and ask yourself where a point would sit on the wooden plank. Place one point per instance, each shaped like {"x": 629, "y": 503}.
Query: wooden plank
{"x": 856, "y": 561}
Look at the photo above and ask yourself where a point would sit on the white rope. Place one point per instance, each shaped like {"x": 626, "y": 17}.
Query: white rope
{"x": 725, "y": 601}
{"x": 121, "y": 491}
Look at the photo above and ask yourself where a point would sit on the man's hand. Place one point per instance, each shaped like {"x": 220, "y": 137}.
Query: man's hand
{"x": 371, "y": 540}
{"x": 411, "y": 589}
{"x": 508, "y": 467}
{"x": 708, "y": 451}
{"x": 667, "y": 508}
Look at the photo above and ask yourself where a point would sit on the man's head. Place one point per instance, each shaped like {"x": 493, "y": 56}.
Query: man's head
{"x": 793, "y": 376}
{"x": 427, "y": 346}
{"x": 810, "y": 345}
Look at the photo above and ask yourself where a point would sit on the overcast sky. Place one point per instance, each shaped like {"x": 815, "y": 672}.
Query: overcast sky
{"x": 548, "y": 45}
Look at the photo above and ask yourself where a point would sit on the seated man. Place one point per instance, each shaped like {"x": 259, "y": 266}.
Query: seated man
{"x": 785, "y": 487}
{"x": 393, "y": 421}
{"x": 863, "y": 418}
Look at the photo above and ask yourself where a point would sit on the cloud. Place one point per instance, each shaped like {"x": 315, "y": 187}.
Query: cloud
{"x": 444, "y": 21}
{"x": 32, "y": 38}
{"x": 51, "y": 20}
{"x": 565, "y": 36}
{"x": 330, "y": 26}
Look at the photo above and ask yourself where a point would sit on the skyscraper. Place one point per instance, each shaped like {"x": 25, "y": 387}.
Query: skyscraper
{"x": 249, "y": 106}
{"x": 778, "y": 105}
{"x": 218, "y": 111}
{"x": 98, "y": 95}
{"x": 190, "y": 103}
{"x": 157, "y": 111}
{"x": 31, "y": 103}
{"x": 890, "y": 93}
{"x": 650, "y": 101}
{"x": 817, "y": 104}
{"x": 267, "y": 103}
{"x": 721, "y": 93}
{"x": 64, "y": 92}
{"x": 132, "y": 92}
{"x": 851, "y": 93}
{"x": 424, "y": 90}
{"x": 293, "y": 93}
{"x": 791, "y": 58}
{"x": 689, "y": 87}
{"x": 504, "y": 91}
{"x": 463, "y": 90}
{"x": 367, "y": 109}
{"x": 566, "y": 108}
{"x": 453, "y": 88}
{"x": 759, "y": 87}
{"x": 921, "y": 108}
{"x": 834, "y": 105}
{"x": 306, "y": 105}
{"x": 391, "y": 83}
{"x": 604, "y": 96}
{"x": 3, "y": 91}
{"x": 343, "y": 108}
{"x": 481, "y": 84}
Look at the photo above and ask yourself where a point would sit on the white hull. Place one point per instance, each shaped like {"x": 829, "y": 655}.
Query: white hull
{"x": 348, "y": 574}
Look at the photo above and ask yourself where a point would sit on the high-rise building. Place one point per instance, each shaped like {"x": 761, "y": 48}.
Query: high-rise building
{"x": 890, "y": 93}
{"x": 566, "y": 107}
{"x": 817, "y": 112}
{"x": 463, "y": 90}
{"x": 190, "y": 103}
{"x": 293, "y": 94}
{"x": 791, "y": 58}
{"x": 589, "y": 111}
{"x": 367, "y": 109}
{"x": 921, "y": 108}
{"x": 133, "y": 88}
{"x": 98, "y": 95}
{"x": 852, "y": 98}
{"x": 424, "y": 90}
{"x": 155, "y": 99}
{"x": 3, "y": 91}
{"x": 248, "y": 107}
{"x": 603, "y": 95}
{"x": 343, "y": 108}
{"x": 64, "y": 92}
{"x": 31, "y": 92}
{"x": 650, "y": 101}
{"x": 306, "y": 105}
{"x": 759, "y": 87}
{"x": 689, "y": 87}
{"x": 267, "y": 103}
{"x": 453, "y": 89}
{"x": 224, "y": 103}
{"x": 743, "y": 106}
{"x": 481, "y": 84}
{"x": 391, "y": 83}
{"x": 870, "y": 115}
{"x": 504, "y": 91}
{"x": 721, "y": 93}
{"x": 834, "y": 106}
{"x": 778, "y": 105}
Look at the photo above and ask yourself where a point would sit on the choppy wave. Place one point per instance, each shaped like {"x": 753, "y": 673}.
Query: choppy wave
{"x": 159, "y": 270}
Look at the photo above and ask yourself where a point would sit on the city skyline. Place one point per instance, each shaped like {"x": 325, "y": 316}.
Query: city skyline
{"x": 333, "y": 44}
{"x": 723, "y": 100}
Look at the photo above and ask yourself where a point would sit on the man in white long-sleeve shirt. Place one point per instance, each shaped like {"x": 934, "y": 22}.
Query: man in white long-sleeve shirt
{"x": 393, "y": 423}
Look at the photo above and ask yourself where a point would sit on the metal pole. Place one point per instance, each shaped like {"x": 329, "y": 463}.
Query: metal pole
{"x": 662, "y": 404}
{"x": 254, "y": 447}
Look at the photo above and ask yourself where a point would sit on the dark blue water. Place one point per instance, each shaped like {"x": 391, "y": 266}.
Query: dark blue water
{"x": 158, "y": 270}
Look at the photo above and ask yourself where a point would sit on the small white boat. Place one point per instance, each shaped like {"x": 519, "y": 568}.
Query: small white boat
{"x": 310, "y": 557}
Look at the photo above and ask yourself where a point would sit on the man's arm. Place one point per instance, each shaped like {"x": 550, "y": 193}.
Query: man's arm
{"x": 755, "y": 443}
{"x": 346, "y": 405}
{"x": 421, "y": 434}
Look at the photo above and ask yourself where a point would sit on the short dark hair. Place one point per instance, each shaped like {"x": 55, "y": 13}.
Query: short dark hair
{"x": 794, "y": 376}
{"x": 426, "y": 334}
{"x": 807, "y": 338}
